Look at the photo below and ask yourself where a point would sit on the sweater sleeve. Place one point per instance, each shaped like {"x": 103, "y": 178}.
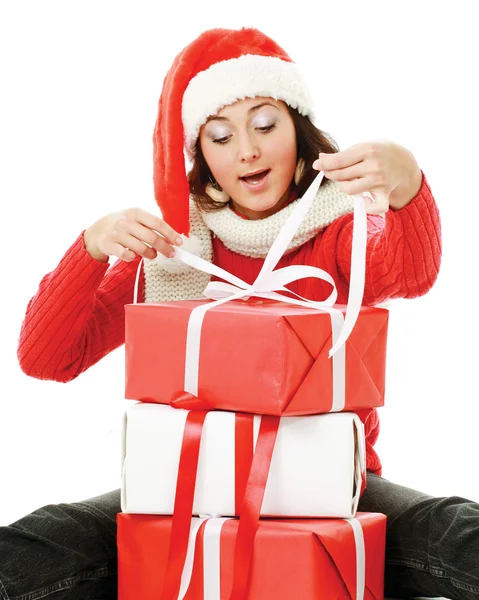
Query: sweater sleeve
{"x": 403, "y": 249}
{"x": 77, "y": 315}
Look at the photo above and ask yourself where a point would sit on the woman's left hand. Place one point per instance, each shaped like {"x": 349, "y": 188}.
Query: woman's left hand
{"x": 388, "y": 171}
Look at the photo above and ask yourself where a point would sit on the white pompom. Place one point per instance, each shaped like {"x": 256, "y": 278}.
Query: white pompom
{"x": 175, "y": 265}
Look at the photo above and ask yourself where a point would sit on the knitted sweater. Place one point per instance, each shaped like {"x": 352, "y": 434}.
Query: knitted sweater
{"x": 77, "y": 315}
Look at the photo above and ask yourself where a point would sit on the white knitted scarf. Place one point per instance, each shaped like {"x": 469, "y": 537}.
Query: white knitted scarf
{"x": 170, "y": 279}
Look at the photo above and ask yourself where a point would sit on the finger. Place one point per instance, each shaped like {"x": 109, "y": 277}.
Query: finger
{"x": 359, "y": 185}
{"x": 342, "y": 159}
{"x": 121, "y": 252}
{"x": 147, "y": 236}
{"x": 158, "y": 225}
{"x": 377, "y": 208}
{"x": 140, "y": 248}
{"x": 346, "y": 174}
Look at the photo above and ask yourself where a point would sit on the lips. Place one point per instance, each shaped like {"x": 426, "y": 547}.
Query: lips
{"x": 256, "y": 176}
{"x": 256, "y": 183}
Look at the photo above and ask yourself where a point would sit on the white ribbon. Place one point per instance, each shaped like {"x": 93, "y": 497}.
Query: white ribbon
{"x": 360, "y": 557}
{"x": 212, "y": 558}
{"x": 190, "y": 553}
{"x": 269, "y": 282}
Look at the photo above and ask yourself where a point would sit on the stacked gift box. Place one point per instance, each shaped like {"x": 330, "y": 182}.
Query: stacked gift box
{"x": 278, "y": 444}
{"x": 244, "y": 460}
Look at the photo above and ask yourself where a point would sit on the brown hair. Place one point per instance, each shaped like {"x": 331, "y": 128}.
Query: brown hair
{"x": 310, "y": 141}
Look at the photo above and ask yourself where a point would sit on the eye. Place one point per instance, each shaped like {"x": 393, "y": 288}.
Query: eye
{"x": 267, "y": 128}
{"x": 264, "y": 129}
{"x": 222, "y": 140}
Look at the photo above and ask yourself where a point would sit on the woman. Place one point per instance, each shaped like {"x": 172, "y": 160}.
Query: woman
{"x": 237, "y": 104}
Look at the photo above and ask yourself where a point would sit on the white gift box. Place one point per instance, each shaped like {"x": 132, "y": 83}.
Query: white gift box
{"x": 317, "y": 468}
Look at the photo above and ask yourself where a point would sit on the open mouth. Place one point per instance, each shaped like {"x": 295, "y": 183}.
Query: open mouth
{"x": 256, "y": 178}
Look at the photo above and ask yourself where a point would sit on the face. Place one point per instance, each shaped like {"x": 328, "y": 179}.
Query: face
{"x": 250, "y": 148}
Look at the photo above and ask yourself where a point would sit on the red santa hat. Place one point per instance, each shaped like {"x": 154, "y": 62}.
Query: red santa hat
{"x": 218, "y": 68}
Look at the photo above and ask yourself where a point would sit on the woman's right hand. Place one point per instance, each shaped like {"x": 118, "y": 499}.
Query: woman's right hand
{"x": 129, "y": 233}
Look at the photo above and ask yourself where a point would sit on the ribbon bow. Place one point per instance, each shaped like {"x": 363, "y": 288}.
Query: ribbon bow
{"x": 269, "y": 282}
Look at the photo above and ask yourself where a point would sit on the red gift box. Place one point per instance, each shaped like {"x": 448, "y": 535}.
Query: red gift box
{"x": 306, "y": 559}
{"x": 264, "y": 358}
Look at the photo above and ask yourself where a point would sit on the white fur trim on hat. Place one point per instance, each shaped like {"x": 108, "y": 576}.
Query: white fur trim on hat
{"x": 234, "y": 79}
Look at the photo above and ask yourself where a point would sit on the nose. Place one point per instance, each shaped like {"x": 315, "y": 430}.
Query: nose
{"x": 248, "y": 150}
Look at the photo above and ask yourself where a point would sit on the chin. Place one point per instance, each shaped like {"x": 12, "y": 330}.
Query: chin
{"x": 261, "y": 206}
{"x": 259, "y": 210}
{"x": 262, "y": 201}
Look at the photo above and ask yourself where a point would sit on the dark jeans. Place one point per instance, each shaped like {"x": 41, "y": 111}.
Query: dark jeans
{"x": 68, "y": 551}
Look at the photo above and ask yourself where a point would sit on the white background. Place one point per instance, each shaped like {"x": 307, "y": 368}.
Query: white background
{"x": 80, "y": 86}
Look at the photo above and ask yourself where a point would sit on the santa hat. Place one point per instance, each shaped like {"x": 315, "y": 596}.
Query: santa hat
{"x": 218, "y": 68}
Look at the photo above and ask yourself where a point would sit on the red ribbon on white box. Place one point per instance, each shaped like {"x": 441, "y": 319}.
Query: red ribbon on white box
{"x": 269, "y": 282}
{"x": 211, "y": 551}
{"x": 181, "y": 551}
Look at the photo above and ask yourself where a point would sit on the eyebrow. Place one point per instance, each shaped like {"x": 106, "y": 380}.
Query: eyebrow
{"x": 251, "y": 110}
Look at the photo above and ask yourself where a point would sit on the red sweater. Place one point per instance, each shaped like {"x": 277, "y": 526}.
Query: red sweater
{"x": 77, "y": 315}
